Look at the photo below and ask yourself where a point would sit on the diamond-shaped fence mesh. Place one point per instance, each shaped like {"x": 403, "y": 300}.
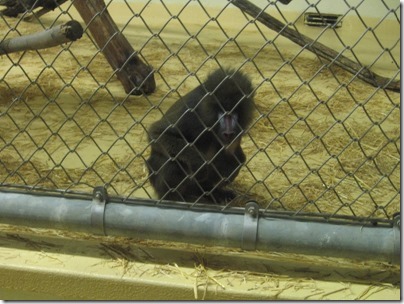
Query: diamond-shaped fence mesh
{"x": 322, "y": 139}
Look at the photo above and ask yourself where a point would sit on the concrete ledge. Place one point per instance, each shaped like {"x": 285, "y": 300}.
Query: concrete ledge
{"x": 34, "y": 265}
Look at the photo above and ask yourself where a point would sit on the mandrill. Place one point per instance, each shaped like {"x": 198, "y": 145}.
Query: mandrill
{"x": 195, "y": 146}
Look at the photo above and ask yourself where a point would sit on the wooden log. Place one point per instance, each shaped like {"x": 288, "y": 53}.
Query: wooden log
{"x": 316, "y": 47}
{"x": 136, "y": 77}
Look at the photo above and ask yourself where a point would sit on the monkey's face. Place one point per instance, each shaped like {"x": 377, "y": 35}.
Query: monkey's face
{"x": 228, "y": 128}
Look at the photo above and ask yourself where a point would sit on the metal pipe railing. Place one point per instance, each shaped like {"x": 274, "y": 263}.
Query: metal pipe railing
{"x": 249, "y": 231}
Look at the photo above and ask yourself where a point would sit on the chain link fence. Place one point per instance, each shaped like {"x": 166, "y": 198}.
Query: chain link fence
{"x": 322, "y": 141}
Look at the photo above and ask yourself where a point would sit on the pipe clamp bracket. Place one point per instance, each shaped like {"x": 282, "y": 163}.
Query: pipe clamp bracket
{"x": 396, "y": 256}
{"x": 99, "y": 201}
{"x": 250, "y": 228}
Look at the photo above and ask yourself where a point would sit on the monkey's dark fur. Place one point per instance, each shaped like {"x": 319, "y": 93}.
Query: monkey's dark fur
{"x": 16, "y": 7}
{"x": 195, "y": 147}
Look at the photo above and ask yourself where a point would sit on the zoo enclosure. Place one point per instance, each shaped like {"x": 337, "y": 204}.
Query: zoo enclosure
{"x": 323, "y": 142}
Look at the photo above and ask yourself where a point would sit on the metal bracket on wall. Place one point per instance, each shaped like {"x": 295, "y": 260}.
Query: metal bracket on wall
{"x": 397, "y": 237}
{"x": 250, "y": 228}
{"x": 100, "y": 197}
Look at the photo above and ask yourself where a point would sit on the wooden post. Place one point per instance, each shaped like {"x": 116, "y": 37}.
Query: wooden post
{"x": 136, "y": 77}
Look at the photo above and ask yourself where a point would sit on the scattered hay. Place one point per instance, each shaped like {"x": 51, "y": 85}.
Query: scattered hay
{"x": 209, "y": 270}
{"x": 66, "y": 123}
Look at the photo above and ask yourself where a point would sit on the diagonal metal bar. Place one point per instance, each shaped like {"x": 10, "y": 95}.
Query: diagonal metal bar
{"x": 316, "y": 47}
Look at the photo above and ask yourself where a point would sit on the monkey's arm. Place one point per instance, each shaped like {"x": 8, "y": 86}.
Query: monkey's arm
{"x": 175, "y": 145}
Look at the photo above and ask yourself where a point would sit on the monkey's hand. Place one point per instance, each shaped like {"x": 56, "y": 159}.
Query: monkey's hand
{"x": 222, "y": 195}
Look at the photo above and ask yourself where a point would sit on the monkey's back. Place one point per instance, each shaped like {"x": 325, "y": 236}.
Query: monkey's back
{"x": 193, "y": 113}
{"x": 226, "y": 87}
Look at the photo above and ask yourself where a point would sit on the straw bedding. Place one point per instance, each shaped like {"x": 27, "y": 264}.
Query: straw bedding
{"x": 66, "y": 123}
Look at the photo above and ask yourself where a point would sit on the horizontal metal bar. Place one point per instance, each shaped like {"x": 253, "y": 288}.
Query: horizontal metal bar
{"x": 204, "y": 227}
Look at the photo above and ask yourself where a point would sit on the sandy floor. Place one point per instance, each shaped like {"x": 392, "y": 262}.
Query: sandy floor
{"x": 66, "y": 122}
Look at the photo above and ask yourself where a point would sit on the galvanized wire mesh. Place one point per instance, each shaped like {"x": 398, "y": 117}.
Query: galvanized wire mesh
{"x": 322, "y": 140}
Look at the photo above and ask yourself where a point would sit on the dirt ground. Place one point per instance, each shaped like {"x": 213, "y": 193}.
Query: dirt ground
{"x": 315, "y": 145}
